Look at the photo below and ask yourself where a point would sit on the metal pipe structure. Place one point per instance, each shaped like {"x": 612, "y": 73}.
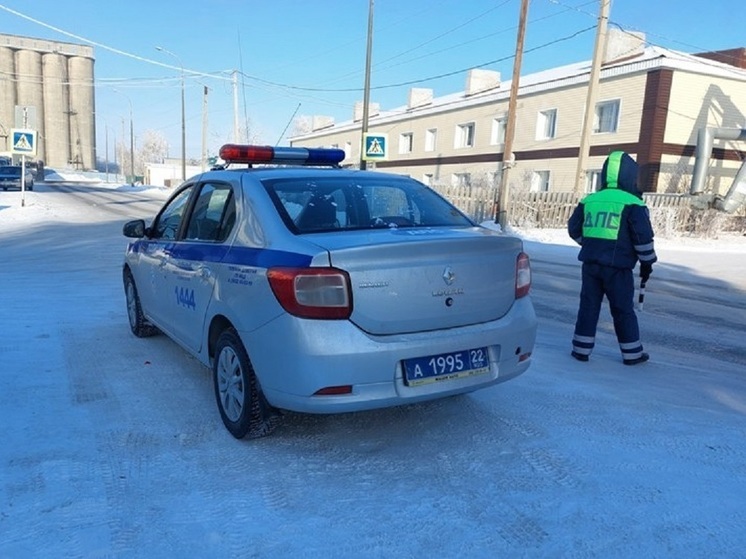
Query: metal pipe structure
{"x": 736, "y": 195}
{"x": 183, "y": 113}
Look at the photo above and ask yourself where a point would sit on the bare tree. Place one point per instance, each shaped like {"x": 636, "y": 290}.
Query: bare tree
{"x": 301, "y": 125}
{"x": 154, "y": 149}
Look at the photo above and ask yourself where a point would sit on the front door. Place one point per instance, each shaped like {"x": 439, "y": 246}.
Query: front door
{"x": 193, "y": 261}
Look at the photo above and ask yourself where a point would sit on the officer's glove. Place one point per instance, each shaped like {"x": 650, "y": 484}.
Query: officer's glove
{"x": 646, "y": 268}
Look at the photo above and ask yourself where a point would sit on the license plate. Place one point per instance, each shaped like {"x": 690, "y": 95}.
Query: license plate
{"x": 446, "y": 366}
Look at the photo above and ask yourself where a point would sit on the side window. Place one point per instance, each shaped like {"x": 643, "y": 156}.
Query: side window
{"x": 167, "y": 223}
{"x": 213, "y": 215}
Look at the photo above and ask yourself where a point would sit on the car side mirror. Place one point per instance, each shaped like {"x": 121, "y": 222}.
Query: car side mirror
{"x": 134, "y": 229}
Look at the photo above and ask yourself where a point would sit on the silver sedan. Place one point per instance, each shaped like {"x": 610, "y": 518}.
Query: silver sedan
{"x": 316, "y": 289}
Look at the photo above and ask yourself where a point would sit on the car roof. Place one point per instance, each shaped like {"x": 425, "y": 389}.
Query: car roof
{"x": 262, "y": 173}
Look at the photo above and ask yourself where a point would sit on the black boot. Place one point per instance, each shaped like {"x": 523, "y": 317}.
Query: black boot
{"x": 579, "y": 356}
{"x": 636, "y": 361}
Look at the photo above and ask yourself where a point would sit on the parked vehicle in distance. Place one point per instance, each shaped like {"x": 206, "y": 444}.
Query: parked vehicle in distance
{"x": 36, "y": 168}
{"x": 326, "y": 290}
{"x": 10, "y": 177}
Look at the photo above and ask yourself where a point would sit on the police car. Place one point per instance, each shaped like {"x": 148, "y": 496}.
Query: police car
{"x": 317, "y": 289}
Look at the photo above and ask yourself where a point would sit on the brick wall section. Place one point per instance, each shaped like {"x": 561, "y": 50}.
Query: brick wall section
{"x": 734, "y": 57}
{"x": 653, "y": 127}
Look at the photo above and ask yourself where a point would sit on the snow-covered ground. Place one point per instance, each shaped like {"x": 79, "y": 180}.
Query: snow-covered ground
{"x": 113, "y": 447}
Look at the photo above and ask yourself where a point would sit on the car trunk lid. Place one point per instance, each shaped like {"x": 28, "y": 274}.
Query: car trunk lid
{"x": 413, "y": 280}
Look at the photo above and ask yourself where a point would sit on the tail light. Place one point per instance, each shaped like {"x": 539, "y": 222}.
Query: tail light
{"x": 312, "y": 292}
{"x": 522, "y": 275}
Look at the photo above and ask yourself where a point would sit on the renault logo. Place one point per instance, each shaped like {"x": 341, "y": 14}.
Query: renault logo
{"x": 449, "y": 276}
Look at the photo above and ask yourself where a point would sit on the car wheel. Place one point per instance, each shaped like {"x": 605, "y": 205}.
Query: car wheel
{"x": 242, "y": 406}
{"x": 138, "y": 323}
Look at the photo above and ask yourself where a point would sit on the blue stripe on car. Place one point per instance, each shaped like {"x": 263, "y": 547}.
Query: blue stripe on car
{"x": 201, "y": 252}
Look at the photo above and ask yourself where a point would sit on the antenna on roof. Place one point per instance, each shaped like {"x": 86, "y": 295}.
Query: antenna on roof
{"x": 287, "y": 125}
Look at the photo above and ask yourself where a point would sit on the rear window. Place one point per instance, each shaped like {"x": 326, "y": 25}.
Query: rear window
{"x": 11, "y": 171}
{"x": 336, "y": 203}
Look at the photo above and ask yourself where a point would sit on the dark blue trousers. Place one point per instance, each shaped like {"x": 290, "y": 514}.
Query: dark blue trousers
{"x": 618, "y": 286}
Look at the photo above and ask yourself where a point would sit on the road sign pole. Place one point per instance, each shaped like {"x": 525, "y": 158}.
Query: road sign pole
{"x": 23, "y": 180}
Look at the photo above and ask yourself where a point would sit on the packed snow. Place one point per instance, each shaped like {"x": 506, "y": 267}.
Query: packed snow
{"x": 113, "y": 446}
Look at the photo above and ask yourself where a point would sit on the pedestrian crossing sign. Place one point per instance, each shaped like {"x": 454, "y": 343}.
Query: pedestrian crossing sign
{"x": 23, "y": 141}
{"x": 376, "y": 147}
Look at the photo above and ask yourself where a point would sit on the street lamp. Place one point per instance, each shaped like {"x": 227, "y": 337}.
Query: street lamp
{"x": 183, "y": 113}
{"x": 132, "y": 140}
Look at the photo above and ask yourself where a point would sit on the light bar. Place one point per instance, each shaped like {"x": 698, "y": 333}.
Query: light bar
{"x": 239, "y": 153}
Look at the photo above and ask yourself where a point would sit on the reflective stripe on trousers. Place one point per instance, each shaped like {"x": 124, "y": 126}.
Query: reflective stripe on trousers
{"x": 617, "y": 285}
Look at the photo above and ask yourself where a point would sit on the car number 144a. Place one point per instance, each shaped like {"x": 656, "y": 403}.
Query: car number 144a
{"x": 446, "y": 366}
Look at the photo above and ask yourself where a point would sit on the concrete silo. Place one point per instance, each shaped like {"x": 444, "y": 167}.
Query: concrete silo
{"x": 30, "y": 91}
{"x": 54, "y": 82}
{"x": 56, "y": 108}
{"x": 7, "y": 95}
{"x": 82, "y": 124}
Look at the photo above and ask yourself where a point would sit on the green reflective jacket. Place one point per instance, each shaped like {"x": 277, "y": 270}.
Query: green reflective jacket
{"x": 602, "y": 212}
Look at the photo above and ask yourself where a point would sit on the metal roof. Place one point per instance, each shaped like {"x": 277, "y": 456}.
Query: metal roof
{"x": 651, "y": 58}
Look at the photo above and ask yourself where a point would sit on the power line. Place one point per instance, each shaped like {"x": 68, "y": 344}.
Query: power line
{"x": 103, "y": 46}
{"x": 426, "y": 79}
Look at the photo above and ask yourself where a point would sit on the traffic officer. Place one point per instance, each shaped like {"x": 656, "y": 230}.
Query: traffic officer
{"x": 613, "y": 228}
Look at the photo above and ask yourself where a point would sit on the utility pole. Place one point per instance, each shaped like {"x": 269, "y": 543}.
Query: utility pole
{"x": 183, "y": 111}
{"x": 132, "y": 151}
{"x": 204, "y": 128}
{"x": 106, "y": 127}
{"x": 590, "y": 101}
{"x": 366, "y": 88}
{"x": 236, "y": 139}
{"x": 503, "y": 199}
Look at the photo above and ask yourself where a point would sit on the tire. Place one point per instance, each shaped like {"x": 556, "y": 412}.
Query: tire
{"x": 243, "y": 409}
{"x": 138, "y": 323}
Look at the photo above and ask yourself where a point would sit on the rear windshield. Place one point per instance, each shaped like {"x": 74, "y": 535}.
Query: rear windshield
{"x": 337, "y": 203}
{"x": 10, "y": 171}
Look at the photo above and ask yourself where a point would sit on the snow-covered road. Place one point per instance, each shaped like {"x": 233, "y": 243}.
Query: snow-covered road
{"x": 113, "y": 447}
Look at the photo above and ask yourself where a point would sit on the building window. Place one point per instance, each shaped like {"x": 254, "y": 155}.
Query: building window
{"x": 405, "y": 142}
{"x": 593, "y": 181}
{"x": 461, "y": 179}
{"x": 427, "y": 179}
{"x": 606, "y": 118}
{"x": 546, "y": 125}
{"x": 499, "y": 125}
{"x": 348, "y": 150}
{"x": 464, "y": 135}
{"x": 540, "y": 181}
{"x": 431, "y": 137}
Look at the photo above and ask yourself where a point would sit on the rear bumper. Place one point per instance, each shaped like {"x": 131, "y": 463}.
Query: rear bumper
{"x": 335, "y": 353}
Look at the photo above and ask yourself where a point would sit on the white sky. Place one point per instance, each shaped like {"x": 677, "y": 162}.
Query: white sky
{"x": 113, "y": 446}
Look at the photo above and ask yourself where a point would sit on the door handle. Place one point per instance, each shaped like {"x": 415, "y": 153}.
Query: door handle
{"x": 204, "y": 272}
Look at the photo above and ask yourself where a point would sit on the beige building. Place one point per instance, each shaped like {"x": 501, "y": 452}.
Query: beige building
{"x": 651, "y": 102}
